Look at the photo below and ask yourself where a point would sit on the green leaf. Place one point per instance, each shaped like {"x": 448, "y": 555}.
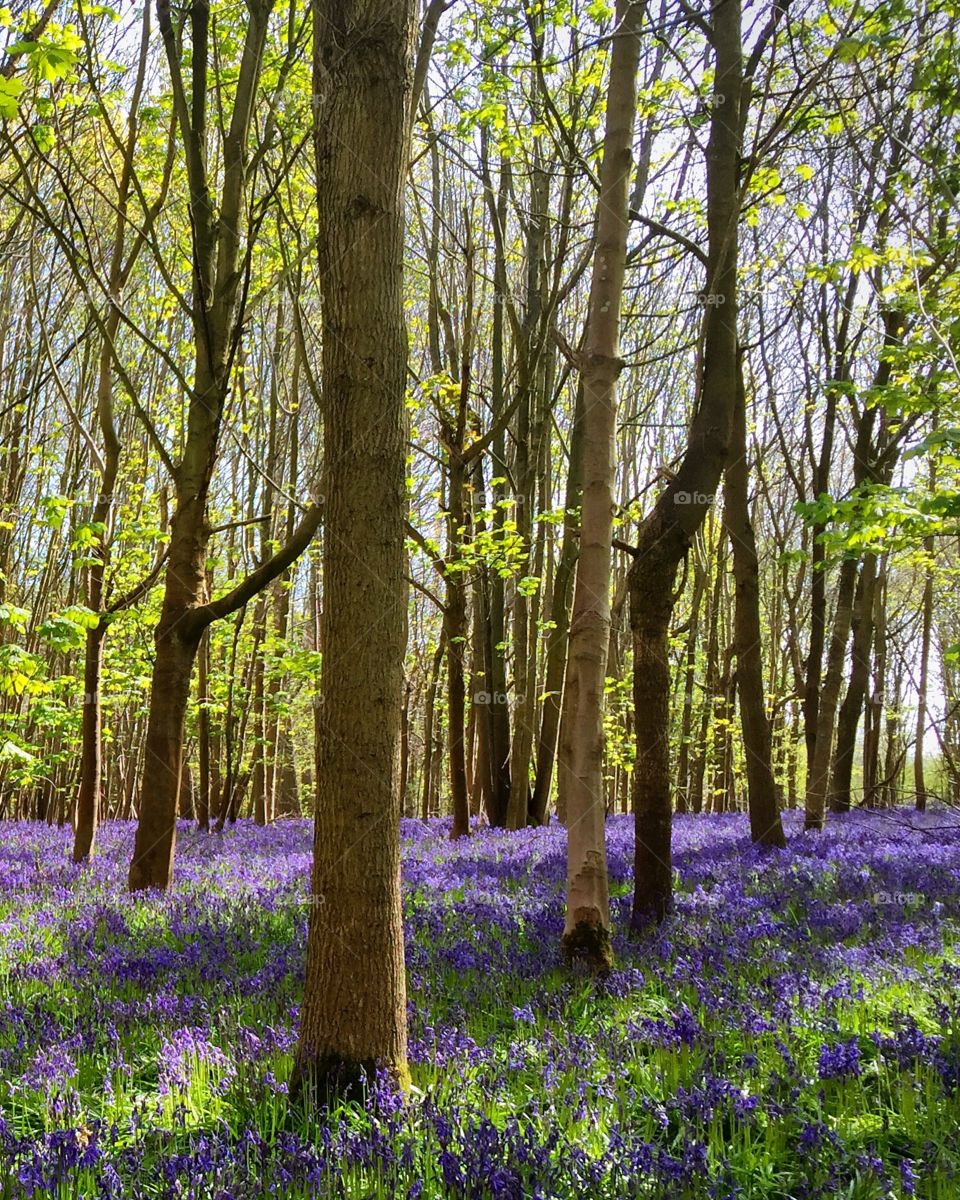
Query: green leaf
{"x": 10, "y": 90}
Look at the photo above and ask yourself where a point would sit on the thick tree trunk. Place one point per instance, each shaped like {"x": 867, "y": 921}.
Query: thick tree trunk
{"x": 177, "y": 639}
{"x": 666, "y": 534}
{"x": 586, "y": 931}
{"x": 765, "y": 824}
{"x": 651, "y": 606}
{"x": 176, "y": 648}
{"x": 354, "y": 1006}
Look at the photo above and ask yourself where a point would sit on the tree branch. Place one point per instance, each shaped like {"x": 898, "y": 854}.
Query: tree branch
{"x": 258, "y": 579}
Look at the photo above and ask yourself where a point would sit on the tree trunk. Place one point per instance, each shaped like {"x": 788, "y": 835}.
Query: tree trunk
{"x": 354, "y": 1005}
{"x": 426, "y": 788}
{"x": 556, "y": 664}
{"x": 665, "y": 535}
{"x": 152, "y": 865}
{"x": 818, "y": 772}
{"x": 91, "y": 762}
{"x": 684, "y": 778}
{"x": 217, "y": 316}
{"x": 204, "y": 794}
{"x": 867, "y": 458}
{"x": 586, "y": 931}
{"x": 765, "y": 824}
{"x": 848, "y": 718}
{"x": 455, "y": 625}
{"x": 926, "y": 619}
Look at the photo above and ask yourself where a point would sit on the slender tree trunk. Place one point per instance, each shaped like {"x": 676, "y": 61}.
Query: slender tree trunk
{"x": 765, "y": 824}
{"x": 698, "y": 768}
{"x": 186, "y": 790}
{"x": 848, "y": 719}
{"x": 403, "y": 769}
{"x": 818, "y": 585}
{"x": 354, "y": 1006}
{"x": 556, "y": 663}
{"x": 874, "y": 717}
{"x": 205, "y": 794}
{"x": 91, "y": 766}
{"x": 426, "y": 791}
{"x": 455, "y": 636}
{"x": 866, "y": 458}
{"x": 586, "y": 929}
{"x": 926, "y": 626}
{"x": 684, "y": 777}
{"x": 818, "y": 772}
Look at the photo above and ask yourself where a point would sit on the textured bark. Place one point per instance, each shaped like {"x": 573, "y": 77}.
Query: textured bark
{"x": 684, "y": 789}
{"x": 354, "y": 1007}
{"x": 560, "y": 620}
{"x": 426, "y": 785}
{"x": 818, "y": 771}
{"x": 666, "y": 533}
{"x": 873, "y": 722}
{"x": 765, "y": 824}
{"x": 155, "y": 844}
{"x": 848, "y": 719}
{"x": 204, "y": 792}
{"x": 818, "y": 584}
{"x": 586, "y": 930}
{"x": 926, "y": 626}
{"x": 528, "y": 470}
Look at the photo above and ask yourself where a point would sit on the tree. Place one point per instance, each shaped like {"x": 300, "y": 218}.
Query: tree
{"x": 587, "y": 927}
{"x": 220, "y": 261}
{"x": 354, "y": 1007}
{"x": 665, "y": 534}
{"x": 765, "y": 824}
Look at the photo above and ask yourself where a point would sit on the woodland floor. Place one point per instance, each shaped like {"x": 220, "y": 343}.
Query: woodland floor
{"x": 792, "y": 1031}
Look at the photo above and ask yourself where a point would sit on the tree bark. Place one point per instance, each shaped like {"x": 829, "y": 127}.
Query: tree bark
{"x": 765, "y": 824}
{"x": 848, "y": 718}
{"x": 926, "y": 626}
{"x": 354, "y": 1007}
{"x": 557, "y": 641}
{"x": 666, "y": 533}
{"x": 586, "y": 931}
